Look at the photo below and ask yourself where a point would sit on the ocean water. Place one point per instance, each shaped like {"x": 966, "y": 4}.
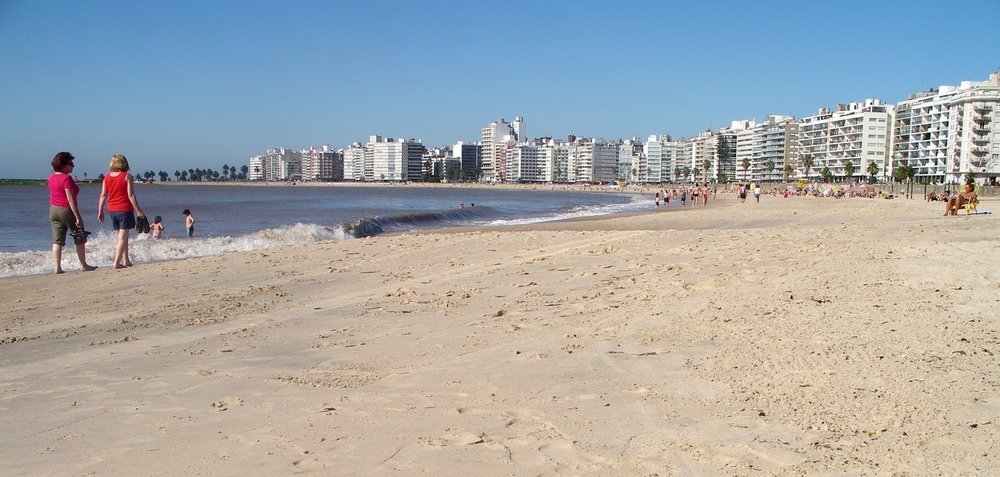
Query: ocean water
{"x": 240, "y": 218}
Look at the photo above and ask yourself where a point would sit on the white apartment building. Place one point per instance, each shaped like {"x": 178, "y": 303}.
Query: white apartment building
{"x": 354, "y": 162}
{"x": 631, "y": 157}
{"x": 704, "y": 152}
{"x": 683, "y": 170}
{"x": 393, "y": 160}
{"x": 661, "y": 156}
{"x": 949, "y": 132}
{"x": 322, "y": 164}
{"x": 256, "y": 168}
{"x": 775, "y": 143}
{"x": 557, "y": 152}
{"x": 856, "y": 134}
{"x": 277, "y": 164}
{"x": 744, "y": 152}
{"x": 497, "y": 137}
{"x": 977, "y": 132}
{"x": 592, "y": 160}
{"x": 529, "y": 163}
{"x": 728, "y": 143}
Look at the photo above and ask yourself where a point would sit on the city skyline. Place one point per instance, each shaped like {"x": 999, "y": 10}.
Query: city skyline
{"x": 212, "y": 84}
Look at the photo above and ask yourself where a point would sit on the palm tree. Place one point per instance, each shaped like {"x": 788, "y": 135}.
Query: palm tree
{"x": 746, "y": 166}
{"x": 827, "y": 174}
{"x": 872, "y": 170}
{"x": 807, "y": 163}
{"x": 769, "y": 166}
{"x": 849, "y": 170}
{"x": 906, "y": 173}
{"x": 695, "y": 173}
{"x": 788, "y": 171}
{"x": 708, "y": 167}
{"x": 225, "y": 171}
{"x": 177, "y": 175}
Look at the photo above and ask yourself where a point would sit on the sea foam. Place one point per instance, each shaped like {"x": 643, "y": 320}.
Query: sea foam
{"x": 144, "y": 249}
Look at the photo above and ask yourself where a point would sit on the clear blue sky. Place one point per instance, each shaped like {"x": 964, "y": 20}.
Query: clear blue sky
{"x": 189, "y": 84}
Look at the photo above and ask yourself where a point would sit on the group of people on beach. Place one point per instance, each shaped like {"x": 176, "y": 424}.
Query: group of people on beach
{"x": 686, "y": 195}
{"x": 117, "y": 193}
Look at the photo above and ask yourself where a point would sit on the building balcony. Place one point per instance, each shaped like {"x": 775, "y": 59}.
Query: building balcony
{"x": 980, "y": 151}
{"x": 983, "y": 109}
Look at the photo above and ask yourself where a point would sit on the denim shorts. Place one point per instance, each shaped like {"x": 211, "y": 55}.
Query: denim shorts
{"x": 122, "y": 220}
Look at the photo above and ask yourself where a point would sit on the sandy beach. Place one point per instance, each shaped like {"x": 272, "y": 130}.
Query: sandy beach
{"x": 801, "y": 336}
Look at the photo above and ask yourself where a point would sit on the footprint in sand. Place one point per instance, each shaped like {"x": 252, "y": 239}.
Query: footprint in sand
{"x": 227, "y": 403}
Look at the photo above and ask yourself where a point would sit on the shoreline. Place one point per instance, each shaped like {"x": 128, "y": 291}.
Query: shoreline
{"x": 798, "y": 336}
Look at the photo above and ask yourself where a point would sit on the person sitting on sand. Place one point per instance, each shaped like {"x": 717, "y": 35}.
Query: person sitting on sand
{"x": 959, "y": 200}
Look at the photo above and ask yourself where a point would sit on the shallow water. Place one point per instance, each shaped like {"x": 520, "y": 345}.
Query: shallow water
{"x": 236, "y": 218}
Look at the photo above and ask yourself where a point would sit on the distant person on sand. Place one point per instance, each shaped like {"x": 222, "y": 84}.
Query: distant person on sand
{"x": 756, "y": 193}
{"x": 657, "y": 200}
{"x": 188, "y": 222}
{"x": 157, "y": 227}
{"x": 743, "y": 194}
{"x": 64, "y": 212}
{"x": 123, "y": 206}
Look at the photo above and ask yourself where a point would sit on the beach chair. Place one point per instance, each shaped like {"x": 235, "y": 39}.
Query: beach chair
{"x": 969, "y": 207}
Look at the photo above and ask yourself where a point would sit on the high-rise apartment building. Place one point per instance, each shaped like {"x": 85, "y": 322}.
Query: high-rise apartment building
{"x": 497, "y": 138}
{"x": 322, "y": 164}
{"x": 354, "y": 162}
{"x": 393, "y": 160}
{"x": 659, "y": 161}
{"x": 529, "y": 163}
{"x": 631, "y": 156}
{"x": 775, "y": 143}
{"x": 704, "y": 153}
{"x": 727, "y": 155}
{"x": 949, "y": 132}
{"x": 471, "y": 158}
{"x": 278, "y": 164}
{"x": 849, "y": 139}
{"x": 592, "y": 160}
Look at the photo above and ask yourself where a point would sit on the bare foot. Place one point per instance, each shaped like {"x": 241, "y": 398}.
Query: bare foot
{"x": 89, "y": 268}
{"x": 59, "y": 271}
{"x": 118, "y": 267}
{"x": 128, "y": 264}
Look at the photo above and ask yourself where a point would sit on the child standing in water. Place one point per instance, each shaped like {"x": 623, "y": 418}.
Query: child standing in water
{"x": 157, "y": 227}
{"x": 189, "y": 222}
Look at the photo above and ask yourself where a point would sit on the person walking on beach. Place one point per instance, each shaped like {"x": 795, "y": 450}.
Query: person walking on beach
{"x": 743, "y": 194}
{"x": 64, "y": 212}
{"x": 157, "y": 227}
{"x": 188, "y": 222}
{"x": 704, "y": 195}
{"x": 756, "y": 193}
{"x": 118, "y": 190}
{"x": 657, "y": 200}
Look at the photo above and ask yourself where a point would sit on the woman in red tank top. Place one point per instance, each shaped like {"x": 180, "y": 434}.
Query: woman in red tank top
{"x": 122, "y": 206}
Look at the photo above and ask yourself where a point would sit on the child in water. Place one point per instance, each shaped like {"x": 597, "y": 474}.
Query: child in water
{"x": 157, "y": 227}
{"x": 189, "y": 222}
